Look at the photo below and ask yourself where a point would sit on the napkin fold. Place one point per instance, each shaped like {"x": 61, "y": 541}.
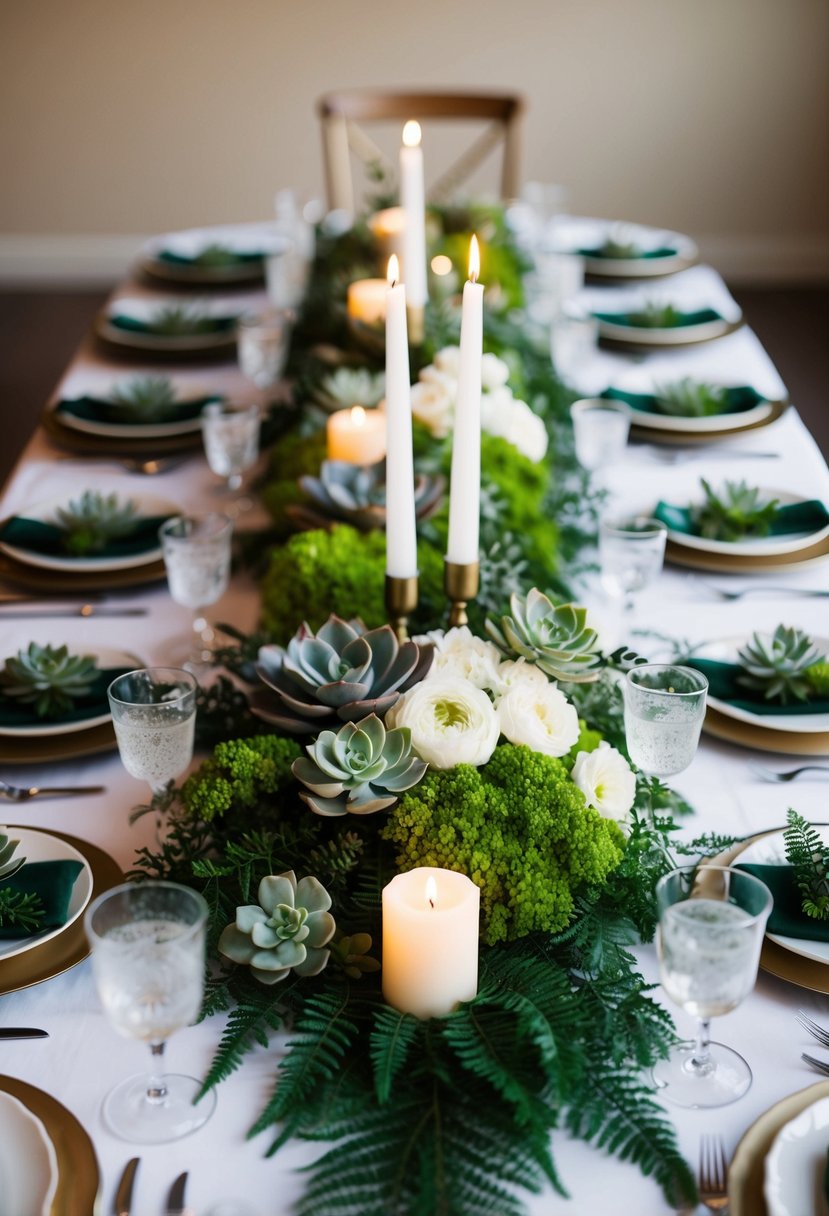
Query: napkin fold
{"x": 722, "y": 683}
{"x": 665, "y": 251}
{"x": 809, "y": 516}
{"x": 737, "y": 400}
{"x": 787, "y": 916}
{"x": 700, "y": 316}
{"x": 47, "y": 539}
{"x": 208, "y": 325}
{"x": 97, "y": 409}
{"x": 52, "y": 881}
{"x": 90, "y": 705}
{"x": 230, "y": 257}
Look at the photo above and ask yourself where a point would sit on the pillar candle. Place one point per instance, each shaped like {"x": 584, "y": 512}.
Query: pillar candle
{"x": 357, "y": 436}
{"x": 413, "y": 199}
{"x": 465, "y": 485}
{"x": 430, "y": 941}
{"x": 387, "y": 228}
{"x": 401, "y": 541}
{"x": 367, "y": 300}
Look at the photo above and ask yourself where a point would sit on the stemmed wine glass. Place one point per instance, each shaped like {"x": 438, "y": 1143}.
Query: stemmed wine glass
{"x": 148, "y": 950}
{"x": 664, "y": 711}
{"x": 631, "y": 554}
{"x": 197, "y": 555}
{"x": 154, "y": 715}
{"x": 711, "y": 924}
{"x": 262, "y": 343}
{"x": 231, "y": 440}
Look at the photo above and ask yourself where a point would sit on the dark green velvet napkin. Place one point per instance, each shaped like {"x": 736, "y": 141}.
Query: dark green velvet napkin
{"x": 52, "y": 881}
{"x": 644, "y": 254}
{"x": 809, "y": 516}
{"x": 722, "y": 683}
{"x": 209, "y": 325}
{"x": 230, "y": 257}
{"x": 96, "y": 409}
{"x": 699, "y": 317}
{"x": 93, "y": 703}
{"x": 47, "y": 539}
{"x": 787, "y": 916}
{"x": 737, "y": 400}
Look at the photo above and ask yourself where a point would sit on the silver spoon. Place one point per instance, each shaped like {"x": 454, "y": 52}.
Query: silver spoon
{"x": 18, "y": 793}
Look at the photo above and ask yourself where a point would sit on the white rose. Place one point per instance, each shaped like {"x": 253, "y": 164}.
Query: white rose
{"x": 607, "y": 782}
{"x": 512, "y": 419}
{"x": 459, "y": 653}
{"x": 448, "y": 360}
{"x": 433, "y": 406}
{"x": 513, "y": 672}
{"x": 494, "y": 372}
{"x": 451, "y": 721}
{"x": 542, "y": 718}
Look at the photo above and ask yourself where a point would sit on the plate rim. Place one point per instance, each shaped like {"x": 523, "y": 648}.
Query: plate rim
{"x": 39, "y": 1130}
{"x": 678, "y": 425}
{"x": 763, "y": 546}
{"x": 777, "y": 1144}
{"x": 48, "y": 730}
{"x": 676, "y": 335}
{"x": 40, "y": 939}
{"x": 779, "y": 939}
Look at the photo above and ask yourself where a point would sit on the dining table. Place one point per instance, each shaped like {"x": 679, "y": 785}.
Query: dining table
{"x": 83, "y": 1057}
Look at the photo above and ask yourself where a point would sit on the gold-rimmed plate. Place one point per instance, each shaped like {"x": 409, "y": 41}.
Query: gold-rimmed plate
{"x": 79, "y": 1177}
{"x": 640, "y": 337}
{"x": 764, "y": 738}
{"x": 647, "y": 433}
{"x": 54, "y": 748}
{"x": 746, "y": 1174}
{"x": 733, "y": 563}
{"x": 65, "y": 582}
{"x": 69, "y": 947}
{"x": 87, "y": 444}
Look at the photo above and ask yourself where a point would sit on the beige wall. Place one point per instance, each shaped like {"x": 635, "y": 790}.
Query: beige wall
{"x": 711, "y": 116}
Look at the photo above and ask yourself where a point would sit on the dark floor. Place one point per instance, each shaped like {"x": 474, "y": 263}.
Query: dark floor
{"x": 39, "y": 332}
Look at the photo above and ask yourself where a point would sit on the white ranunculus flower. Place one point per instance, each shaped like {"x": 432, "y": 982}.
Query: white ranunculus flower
{"x": 494, "y": 372}
{"x": 433, "y": 375}
{"x": 459, "y": 653}
{"x": 451, "y": 721}
{"x": 433, "y": 406}
{"x": 448, "y": 361}
{"x": 607, "y": 782}
{"x": 512, "y": 419}
{"x": 542, "y": 718}
{"x": 513, "y": 672}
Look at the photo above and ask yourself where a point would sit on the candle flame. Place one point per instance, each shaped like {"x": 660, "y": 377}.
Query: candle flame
{"x": 358, "y": 415}
{"x": 474, "y": 259}
{"x": 431, "y": 891}
{"x": 393, "y": 271}
{"x": 411, "y": 133}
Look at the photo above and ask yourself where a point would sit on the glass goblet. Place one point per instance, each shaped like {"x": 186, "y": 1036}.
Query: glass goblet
{"x": 197, "y": 551}
{"x": 148, "y": 948}
{"x": 262, "y": 344}
{"x": 711, "y": 924}
{"x": 631, "y": 555}
{"x": 664, "y": 711}
{"x": 231, "y": 440}
{"x": 154, "y": 716}
{"x": 600, "y": 432}
{"x": 573, "y": 337}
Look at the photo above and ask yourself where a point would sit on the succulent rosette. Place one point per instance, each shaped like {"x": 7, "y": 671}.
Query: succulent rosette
{"x": 48, "y": 678}
{"x": 540, "y": 717}
{"x": 607, "y": 782}
{"x": 287, "y": 930}
{"x": 359, "y": 769}
{"x": 556, "y": 637}
{"x": 357, "y": 494}
{"x": 451, "y": 722}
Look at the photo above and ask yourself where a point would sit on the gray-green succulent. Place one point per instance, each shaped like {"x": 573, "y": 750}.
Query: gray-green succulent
{"x": 777, "y": 666}
{"x": 689, "y": 398}
{"x": 340, "y": 674}
{"x": 181, "y": 320}
{"x": 347, "y": 386}
{"x": 287, "y": 930}
{"x": 735, "y": 511}
{"x": 93, "y": 520}
{"x": 48, "y": 678}
{"x": 145, "y": 398}
{"x": 357, "y": 494}
{"x": 556, "y": 638}
{"x": 359, "y": 769}
{"x": 9, "y": 864}
{"x": 653, "y": 315}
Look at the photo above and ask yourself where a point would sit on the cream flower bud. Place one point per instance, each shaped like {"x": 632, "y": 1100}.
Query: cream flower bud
{"x": 459, "y": 653}
{"x": 542, "y": 718}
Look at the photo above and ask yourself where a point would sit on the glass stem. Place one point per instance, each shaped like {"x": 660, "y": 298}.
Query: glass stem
{"x": 700, "y": 1061}
{"x": 156, "y": 1086}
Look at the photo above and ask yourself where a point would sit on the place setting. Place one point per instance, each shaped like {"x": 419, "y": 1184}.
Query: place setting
{"x": 616, "y": 249}
{"x": 221, "y": 256}
{"x": 170, "y": 325}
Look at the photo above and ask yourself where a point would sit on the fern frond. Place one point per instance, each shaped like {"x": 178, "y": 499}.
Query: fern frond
{"x": 392, "y": 1036}
{"x": 248, "y": 1024}
{"x": 806, "y": 852}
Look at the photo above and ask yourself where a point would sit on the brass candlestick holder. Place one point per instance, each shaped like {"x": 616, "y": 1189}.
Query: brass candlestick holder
{"x": 401, "y": 601}
{"x": 460, "y": 581}
{"x": 416, "y": 323}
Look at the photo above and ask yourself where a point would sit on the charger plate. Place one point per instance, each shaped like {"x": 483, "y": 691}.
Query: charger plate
{"x": 60, "y": 583}
{"x": 70, "y": 947}
{"x": 764, "y": 738}
{"x": 28, "y": 1162}
{"x": 87, "y": 444}
{"x": 79, "y": 1177}
{"x": 667, "y": 435}
{"x": 746, "y": 1173}
{"x": 732, "y": 563}
{"x": 51, "y": 748}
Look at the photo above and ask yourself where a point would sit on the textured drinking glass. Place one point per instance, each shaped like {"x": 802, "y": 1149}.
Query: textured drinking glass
{"x": 573, "y": 338}
{"x": 711, "y": 925}
{"x": 262, "y": 344}
{"x": 154, "y": 716}
{"x": 231, "y": 440}
{"x": 148, "y": 948}
{"x": 196, "y": 552}
{"x": 600, "y": 431}
{"x": 664, "y": 711}
{"x": 631, "y": 554}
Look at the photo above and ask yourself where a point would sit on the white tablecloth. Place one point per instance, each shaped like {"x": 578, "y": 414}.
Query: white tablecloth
{"x": 84, "y": 1057}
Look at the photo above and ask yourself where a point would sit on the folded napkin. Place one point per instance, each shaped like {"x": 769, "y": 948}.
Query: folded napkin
{"x": 97, "y": 409}
{"x": 809, "y": 516}
{"x": 208, "y": 325}
{"x": 47, "y": 539}
{"x": 722, "y": 683}
{"x": 787, "y": 917}
{"x": 52, "y": 881}
{"x": 90, "y": 705}
{"x": 209, "y": 260}
{"x": 737, "y": 400}
{"x": 598, "y": 251}
{"x": 700, "y": 316}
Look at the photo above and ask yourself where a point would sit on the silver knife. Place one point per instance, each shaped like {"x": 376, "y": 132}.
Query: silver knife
{"x": 123, "y": 1195}
{"x": 23, "y": 1032}
{"x": 175, "y": 1199}
{"x": 82, "y": 610}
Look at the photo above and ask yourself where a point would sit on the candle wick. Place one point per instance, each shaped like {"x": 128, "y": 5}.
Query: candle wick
{"x": 473, "y": 277}
{"x": 431, "y": 903}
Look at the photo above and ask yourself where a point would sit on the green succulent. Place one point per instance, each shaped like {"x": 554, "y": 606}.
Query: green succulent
{"x": 357, "y": 494}
{"x": 350, "y": 386}
{"x": 145, "y": 398}
{"x": 777, "y": 666}
{"x": 9, "y": 864}
{"x": 47, "y": 677}
{"x": 818, "y": 676}
{"x": 181, "y": 320}
{"x": 615, "y": 247}
{"x": 93, "y": 520}
{"x": 341, "y": 674}
{"x": 655, "y": 316}
{"x": 555, "y": 637}
{"x": 361, "y": 768}
{"x": 736, "y": 511}
{"x": 216, "y": 254}
{"x": 351, "y": 954}
{"x": 286, "y": 931}
{"x": 689, "y": 398}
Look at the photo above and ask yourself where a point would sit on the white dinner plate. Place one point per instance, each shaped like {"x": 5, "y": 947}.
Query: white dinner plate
{"x": 143, "y": 308}
{"x": 674, "y": 335}
{"x": 241, "y": 238}
{"x": 45, "y": 513}
{"x": 762, "y": 546}
{"x": 105, "y": 657}
{"x": 138, "y": 430}
{"x": 575, "y": 233}
{"x": 770, "y": 851}
{"x": 725, "y": 650}
{"x": 41, "y": 846}
{"x": 712, "y": 425}
{"x": 28, "y": 1164}
{"x": 796, "y": 1163}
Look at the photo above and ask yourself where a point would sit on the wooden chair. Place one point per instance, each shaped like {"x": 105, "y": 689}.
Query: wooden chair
{"x": 342, "y": 112}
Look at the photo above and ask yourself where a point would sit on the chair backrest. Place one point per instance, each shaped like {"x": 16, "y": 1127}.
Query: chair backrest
{"x": 342, "y": 112}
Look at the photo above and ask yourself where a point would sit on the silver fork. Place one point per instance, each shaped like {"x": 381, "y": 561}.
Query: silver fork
{"x": 17, "y": 793}
{"x": 738, "y": 595}
{"x": 814, "y": 1028}
{"x": 684, "y": 455}
{"x": 818, "y": 1065}
{"x": 769, "y": 774}
{"x": 713, "y": 1174}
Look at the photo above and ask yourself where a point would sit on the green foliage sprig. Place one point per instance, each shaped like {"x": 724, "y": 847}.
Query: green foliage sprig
{"x": 808, "y": 854}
